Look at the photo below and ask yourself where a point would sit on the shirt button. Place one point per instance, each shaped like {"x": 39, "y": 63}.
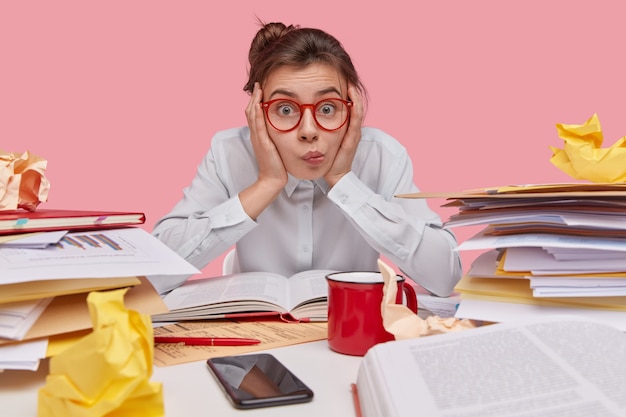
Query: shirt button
{"x": 305, "y": 248}
{"x": 305, "y": 209}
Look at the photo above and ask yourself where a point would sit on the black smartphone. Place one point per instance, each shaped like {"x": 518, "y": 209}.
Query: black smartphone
{"x": 258, "y": 380}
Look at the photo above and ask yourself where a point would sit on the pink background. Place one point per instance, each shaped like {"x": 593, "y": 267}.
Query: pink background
{"x": 122, "y": 97}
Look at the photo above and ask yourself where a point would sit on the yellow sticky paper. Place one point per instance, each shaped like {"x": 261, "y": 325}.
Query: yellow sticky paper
{"x": 401, "y": 322}
{"x": 22, "y": 181}
{"x": 107, "y": 372}
{"x": 582, "y": 156}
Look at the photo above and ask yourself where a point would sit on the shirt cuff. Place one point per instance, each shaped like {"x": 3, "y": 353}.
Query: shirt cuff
{"x": 350, "y": 193}
{"x": 229, "y": 213}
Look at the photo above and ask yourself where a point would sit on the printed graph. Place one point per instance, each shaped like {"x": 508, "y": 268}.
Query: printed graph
{"x": 98, "y": 240}
{"x": 121, "y": 252}
{"x": 84, "y": 247}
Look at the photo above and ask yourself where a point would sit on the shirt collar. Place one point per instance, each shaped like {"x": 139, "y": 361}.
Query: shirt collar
{"x": 292, "y": 183}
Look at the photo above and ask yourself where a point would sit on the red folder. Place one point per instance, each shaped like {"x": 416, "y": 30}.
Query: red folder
{"x": 46, "y": 220}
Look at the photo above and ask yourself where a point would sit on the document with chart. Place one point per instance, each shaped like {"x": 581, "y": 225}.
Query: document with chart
{"x": 106, "y": 253}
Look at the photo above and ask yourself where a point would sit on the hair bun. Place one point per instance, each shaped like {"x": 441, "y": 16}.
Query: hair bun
{"x": 266, "y": 36}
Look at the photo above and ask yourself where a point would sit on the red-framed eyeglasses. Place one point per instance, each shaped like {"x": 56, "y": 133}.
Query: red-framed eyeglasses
{"x": 285, "y": 115}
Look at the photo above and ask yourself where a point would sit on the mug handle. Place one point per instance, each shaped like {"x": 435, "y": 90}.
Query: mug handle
{"x": 411, "y": 296}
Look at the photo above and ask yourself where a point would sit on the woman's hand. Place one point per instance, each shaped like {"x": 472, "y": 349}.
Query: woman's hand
{"x": 271, "y": 168}
{"x": 343, "y": 161}
{"x": 272, "y": 173}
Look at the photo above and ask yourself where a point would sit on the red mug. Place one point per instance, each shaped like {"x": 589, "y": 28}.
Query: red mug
{"x": 355, "y": 323}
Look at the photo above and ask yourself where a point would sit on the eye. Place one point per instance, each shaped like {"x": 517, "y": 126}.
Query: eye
{"x": 327, "y": 108}
{"x": 285, "y": 108}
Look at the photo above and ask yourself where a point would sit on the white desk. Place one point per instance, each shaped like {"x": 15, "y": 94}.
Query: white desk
{"x": 189, "y": 390}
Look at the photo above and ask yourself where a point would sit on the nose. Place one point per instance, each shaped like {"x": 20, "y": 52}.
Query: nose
{"x": 308, "y": 131}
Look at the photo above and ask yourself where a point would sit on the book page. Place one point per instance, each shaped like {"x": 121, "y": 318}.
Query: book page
{"x": 307, "y": 285}
{"x": 247, "y": 286}
{"x": 561, "y": 367}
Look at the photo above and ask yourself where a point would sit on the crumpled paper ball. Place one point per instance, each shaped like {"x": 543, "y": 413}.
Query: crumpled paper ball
{"x": 106, "y": 373}
{"x": 582, "y": 156}
{"x": 22, "y": 181}
{"x": 401, "y": 322}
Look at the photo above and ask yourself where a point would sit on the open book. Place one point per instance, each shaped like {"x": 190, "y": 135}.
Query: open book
{"x": 559, "y": 367}
{"x": 301, "y": 297}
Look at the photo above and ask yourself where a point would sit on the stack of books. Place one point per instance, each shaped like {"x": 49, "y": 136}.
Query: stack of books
{"x": 546, "y": 249}
{"x": 51, "y": 259}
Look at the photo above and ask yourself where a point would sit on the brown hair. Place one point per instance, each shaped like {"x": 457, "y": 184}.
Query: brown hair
{"x": 276, "y": 45}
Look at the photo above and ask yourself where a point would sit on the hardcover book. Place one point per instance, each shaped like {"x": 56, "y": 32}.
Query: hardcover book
{"x": 46, "y": 220}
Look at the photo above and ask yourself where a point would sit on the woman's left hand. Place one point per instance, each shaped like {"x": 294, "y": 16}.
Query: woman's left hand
{"x": 343, "y": 161}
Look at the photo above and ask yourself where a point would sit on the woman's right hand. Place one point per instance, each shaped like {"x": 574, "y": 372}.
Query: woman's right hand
{"x": 271, "y": 167}
{"x": 272, "y": 173}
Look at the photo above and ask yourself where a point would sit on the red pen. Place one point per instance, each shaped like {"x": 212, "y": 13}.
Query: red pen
{"x": 207, "y": 341}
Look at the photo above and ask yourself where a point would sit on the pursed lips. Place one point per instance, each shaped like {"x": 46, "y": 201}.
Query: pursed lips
{"x": 314, "y": 157}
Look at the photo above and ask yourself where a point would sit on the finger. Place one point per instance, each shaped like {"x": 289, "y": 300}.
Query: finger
{"x": 356, "y": 111}
{"x": 259, "y": 116}
{"x": 353, "y": 133}
{"x": 254, "y": 104}
{"x": 261, "y": 140}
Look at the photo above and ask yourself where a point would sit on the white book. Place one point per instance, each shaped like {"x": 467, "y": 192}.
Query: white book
{"x": 301, "y": 297}
{"x": 556, "y": 367}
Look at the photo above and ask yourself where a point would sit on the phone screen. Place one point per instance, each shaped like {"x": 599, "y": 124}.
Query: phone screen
{"x": 258, "y": 380}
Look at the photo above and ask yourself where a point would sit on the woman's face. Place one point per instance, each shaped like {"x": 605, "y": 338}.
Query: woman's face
{"x": 308, "y": 151}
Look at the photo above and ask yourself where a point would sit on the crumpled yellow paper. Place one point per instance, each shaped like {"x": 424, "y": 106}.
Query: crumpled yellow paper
{"x": 401, "y": 322}
{"x": 22, "y": 181}
{"x": 106, "y": 373}
{"x": 582, "y": 156}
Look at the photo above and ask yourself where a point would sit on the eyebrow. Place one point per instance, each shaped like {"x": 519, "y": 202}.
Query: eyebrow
{"x": 293, "y": 95}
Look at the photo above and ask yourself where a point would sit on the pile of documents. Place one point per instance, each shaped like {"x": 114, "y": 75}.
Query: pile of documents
{"x": 547, "y": 249}
{"x": 46, "y": 276}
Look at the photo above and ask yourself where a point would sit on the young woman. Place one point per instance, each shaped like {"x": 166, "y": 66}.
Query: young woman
{"x": 304, "y": 185}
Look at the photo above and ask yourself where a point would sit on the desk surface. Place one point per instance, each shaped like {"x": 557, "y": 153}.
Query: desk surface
{"x": 190, "y": 390}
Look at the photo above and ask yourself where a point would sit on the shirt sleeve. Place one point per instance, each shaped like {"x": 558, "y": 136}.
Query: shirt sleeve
{"x": 207, "y": 220}
{"x": 404, "y": 230}
{"x": 202, "y": 236}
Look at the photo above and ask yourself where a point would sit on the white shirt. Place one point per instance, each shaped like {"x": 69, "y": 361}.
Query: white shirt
{"x": 308, "y": 226}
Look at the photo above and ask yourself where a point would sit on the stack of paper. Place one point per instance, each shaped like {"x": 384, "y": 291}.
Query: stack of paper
{"x": 557, "y": 248}
{"x": 47, "y": 276}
